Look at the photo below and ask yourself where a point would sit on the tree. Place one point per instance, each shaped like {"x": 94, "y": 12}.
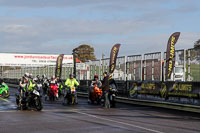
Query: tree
{"x": 84, "y": 52}
{"x": 197, "y": 44}
{"x": 194, "y": 53}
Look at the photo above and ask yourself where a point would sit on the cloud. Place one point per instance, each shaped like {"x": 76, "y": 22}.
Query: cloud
{"x": 101, "y": 23}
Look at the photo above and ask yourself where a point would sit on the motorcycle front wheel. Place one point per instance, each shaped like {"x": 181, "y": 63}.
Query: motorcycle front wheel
{"x": 38, "y": 104}
{"x": 6, "y": 94}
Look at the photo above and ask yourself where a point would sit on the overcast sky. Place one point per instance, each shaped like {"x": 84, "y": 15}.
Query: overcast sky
{"x": 58, "y": 26}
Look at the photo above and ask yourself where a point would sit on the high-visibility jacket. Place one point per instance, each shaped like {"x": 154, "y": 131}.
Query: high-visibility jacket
{"x": 30, "y": 85}
{"x": 71, "y": 82}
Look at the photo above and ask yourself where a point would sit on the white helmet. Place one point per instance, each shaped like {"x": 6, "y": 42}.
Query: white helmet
{"x": 26, "y": 74}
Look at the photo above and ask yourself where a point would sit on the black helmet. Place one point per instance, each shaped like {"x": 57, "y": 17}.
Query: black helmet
{"x": 71, "y": 75}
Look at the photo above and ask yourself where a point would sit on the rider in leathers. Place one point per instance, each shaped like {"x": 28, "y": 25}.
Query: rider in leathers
{"x": 95, "y": 81}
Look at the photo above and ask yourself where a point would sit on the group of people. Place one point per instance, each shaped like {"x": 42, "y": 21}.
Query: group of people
{"x": 28, "y": 82}
{"x": 107, "y": 83}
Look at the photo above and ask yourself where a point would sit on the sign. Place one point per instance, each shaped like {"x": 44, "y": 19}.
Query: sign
{"x": 170, "y": 54}
{"x": 58, "y": 71}
{"x": 12, "y": 59}
{"x": 113, "y": 57}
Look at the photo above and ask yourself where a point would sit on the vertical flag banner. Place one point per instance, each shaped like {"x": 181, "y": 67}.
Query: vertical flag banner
{"x": 113, "y": 57}
{"x": 58, "y": 71}
{"x": 170, "y": 54}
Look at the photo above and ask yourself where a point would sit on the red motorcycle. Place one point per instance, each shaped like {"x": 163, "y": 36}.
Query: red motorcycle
{"x": 53, "y": 92}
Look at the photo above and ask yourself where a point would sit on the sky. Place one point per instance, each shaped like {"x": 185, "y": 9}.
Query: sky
{"x": 59, "y": 26}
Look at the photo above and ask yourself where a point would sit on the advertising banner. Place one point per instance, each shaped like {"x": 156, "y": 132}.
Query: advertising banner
{"x": 113, "y": 57}
{"x": 170, "y": 55}
{"x": 58, "y": 71}
{"x": 16, "y": 59}
{"x": 165, "y": 89}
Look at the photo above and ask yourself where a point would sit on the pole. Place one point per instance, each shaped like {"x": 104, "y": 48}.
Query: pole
{"x": 74, "y": 58}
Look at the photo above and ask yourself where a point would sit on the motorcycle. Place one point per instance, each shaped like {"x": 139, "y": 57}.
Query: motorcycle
{"x": 4, "y": 91}
{"x": 53, "y": 92}
{"x": 96, "y": 94}
{"x": 45, "y": 86}
{"x": 31, "y": 99}
{"x": 112, "y": 96}
{"x": 70, "y": 96}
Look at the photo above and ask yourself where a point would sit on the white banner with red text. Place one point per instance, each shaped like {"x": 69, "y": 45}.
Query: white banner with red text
{"x": 16, "y": 59}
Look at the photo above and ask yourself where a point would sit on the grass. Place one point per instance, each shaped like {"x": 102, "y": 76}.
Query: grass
{"x": 195, "y": 72}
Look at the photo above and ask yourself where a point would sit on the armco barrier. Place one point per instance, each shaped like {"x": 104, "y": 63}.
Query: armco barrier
{"x": 179, "y": 92}
{"x": 168, "y": 105}
{"x": 175, "y": 95}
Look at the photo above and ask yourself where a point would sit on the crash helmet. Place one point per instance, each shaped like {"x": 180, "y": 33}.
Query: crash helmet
{"x": 53, "y": 77}
{"x": 71, "y": 76}
{"x": 96, "y": 77}
{"x": 43, "y": 76}
{"x": 35, "y": 79}
{"x": 26, "y": 74}
{"x": 30, "y": 75}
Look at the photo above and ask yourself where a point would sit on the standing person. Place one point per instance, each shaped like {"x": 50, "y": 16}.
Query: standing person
{"x": 105, "y": 88}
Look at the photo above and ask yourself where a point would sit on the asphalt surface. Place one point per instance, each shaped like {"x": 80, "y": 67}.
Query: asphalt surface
{"x": 86, "y": 118}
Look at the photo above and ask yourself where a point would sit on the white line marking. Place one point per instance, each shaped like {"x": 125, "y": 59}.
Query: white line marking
{"x": 7, "y": 111}
{"x": 3, "y": 99}
{"x": 132, "y": 125}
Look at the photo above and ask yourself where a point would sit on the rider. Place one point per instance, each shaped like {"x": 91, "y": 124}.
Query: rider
{"x": 45, "y": 84}
{"x": 38, "y": 79}
{"x": 31, "y": 84}
{"x": 95, "y": 81}
{"x": 71, "y": 82}
{"x": 60, "y": 85}
{"x": 54, "y": 82}
{"x": 29, "y": 87}
{"x": 22, "y": 83}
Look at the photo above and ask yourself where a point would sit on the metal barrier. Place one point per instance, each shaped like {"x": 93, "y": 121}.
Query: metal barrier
{"x": 193, "y": 65}
{"x": 158, "y": 87}
{"x": 135, "y": 67}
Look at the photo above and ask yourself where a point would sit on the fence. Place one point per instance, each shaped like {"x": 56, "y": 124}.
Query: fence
{"x": 150, "y": 66}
